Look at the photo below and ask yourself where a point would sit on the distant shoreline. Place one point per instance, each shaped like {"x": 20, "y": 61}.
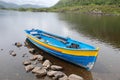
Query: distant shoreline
{"x": 88, "y": 9}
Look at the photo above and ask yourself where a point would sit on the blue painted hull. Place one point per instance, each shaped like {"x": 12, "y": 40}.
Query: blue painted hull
{"x": 84, "y": 61}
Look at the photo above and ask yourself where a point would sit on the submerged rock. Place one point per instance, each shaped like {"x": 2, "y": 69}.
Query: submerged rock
{"x": 18, "y": 44}
{"x": 32, "y": 50}
{"x": 26, "y": 62}
{"x": 75, "y": 77}
{"x": 46, "y": 64}
{"x": 56, "y": 67}
{"x": 29, "y": 68}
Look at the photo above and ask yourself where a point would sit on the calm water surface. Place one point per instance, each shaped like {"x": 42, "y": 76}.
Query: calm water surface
{"x": 100, "y": 31}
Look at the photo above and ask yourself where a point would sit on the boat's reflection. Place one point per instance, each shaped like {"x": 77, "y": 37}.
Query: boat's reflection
{"x": 68, "y": 67}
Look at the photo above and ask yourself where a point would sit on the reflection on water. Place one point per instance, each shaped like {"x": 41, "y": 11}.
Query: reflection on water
{"x": 94, "y": 30}
{"x": 68, "y": 67}
{"x": 104, "y": 28}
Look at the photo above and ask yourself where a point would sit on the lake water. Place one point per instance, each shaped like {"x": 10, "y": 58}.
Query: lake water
{"x": 100, "y": 31}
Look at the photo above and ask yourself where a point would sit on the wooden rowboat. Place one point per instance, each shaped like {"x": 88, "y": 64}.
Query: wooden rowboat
{"x": 76, "y": 52}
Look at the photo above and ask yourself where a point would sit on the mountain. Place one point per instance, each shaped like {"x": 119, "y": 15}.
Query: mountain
{"x": 12, "y": 5}
{"x": 7, "y": 5}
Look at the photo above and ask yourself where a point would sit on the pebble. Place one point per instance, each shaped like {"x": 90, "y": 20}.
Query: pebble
{"x": 56, "y": 67}
{"x": 1, "y": 49}
{"x": 26, "y": 43}
{"x": 29, "y": 68}
{"x": 34, "y": 57}
{"x": 12, "y": 53}
{"x": 51, "y": 73}
{"x": 24, "y": 54}
{"x": 75, "y": 77}
{"x": 40, "y": 57}
{"x": 58, "y": 75}
{"x": 41, "y": 72}
{"x": 18, "y": 44}
{"x": 26, "y": 62}
{"x": 46, "y": 64}
{"x": 32, "y": 50}
{"x": 36, "y": 69}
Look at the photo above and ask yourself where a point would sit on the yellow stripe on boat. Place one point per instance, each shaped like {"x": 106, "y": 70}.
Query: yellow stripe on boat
{"x": 66, "y": 51}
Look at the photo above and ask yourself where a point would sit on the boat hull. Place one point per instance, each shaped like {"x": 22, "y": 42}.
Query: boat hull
{"x": 87, "y": 61}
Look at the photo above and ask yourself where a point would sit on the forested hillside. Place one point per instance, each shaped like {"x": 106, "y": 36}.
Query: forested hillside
{"x": 63, "y": 3}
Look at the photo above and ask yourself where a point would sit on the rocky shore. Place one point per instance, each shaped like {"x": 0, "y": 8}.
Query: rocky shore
{"x": 41, "y": 67}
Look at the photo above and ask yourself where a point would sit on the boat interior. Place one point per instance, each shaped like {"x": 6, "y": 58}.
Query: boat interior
{"x": 59, "y": 41}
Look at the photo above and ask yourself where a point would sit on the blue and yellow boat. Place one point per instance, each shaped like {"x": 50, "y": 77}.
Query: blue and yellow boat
{"x": 76, "y": 52}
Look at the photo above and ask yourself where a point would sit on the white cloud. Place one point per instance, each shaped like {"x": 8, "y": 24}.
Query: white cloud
{"x": 34, "y": 2}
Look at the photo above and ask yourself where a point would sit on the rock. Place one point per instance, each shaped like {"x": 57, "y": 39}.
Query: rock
{"x": 46, "y": 64}
{"x": 24, "y": 54}
{"x": 55, "y": 67}
{"x": 18, "y": 44}
{"x": 36, "y": 69}
{"x": 26, "y": 62}
{"x": 34, "y": 57}
{"x": 1, "y": 49}
{"x": 51, "y": 73}
{"x": 64, "y": 77}
{"x": 75, "y": 77}
{"x": 12, "y": 53}
{"x": 41, "y": 72}
{"x": 40, "y": 57}
{"x": 58, "y": 75}
{"x": 31, "y": 50}
{"x": 29, "y": 67}
{"x": 35, "y": 63}
{"x": 26, "y": 44}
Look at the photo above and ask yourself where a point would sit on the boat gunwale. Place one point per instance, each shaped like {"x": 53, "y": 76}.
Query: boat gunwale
{"x": 96, "y": 49}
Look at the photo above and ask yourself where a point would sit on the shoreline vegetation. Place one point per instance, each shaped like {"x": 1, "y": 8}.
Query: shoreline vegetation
{"x": 108, "y": 7}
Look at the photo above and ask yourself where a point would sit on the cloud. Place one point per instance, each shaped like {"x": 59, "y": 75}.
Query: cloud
{"x": 33, "y": 2}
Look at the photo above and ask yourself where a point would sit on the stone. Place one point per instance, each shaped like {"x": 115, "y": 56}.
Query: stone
{"x": 75, "y": 77}
{"x": 65, "y": 77}
{"x": 51, "y": 73}
{"x": 26, "y": 62}
{"x": 36, "y": 69}
{"x": 1, "y": 49}
{"x": 40, "y": 57}
{"x": 31, "y": 50}
{"x": 41, "y": 72}
{"x": 58, "y": 75}
{"x": 24, "y": 54}
{"x": 12, "y": 53}
{"x": 18, "y": 44}
{"x": 34, "y": 57}
{"x": 29, "y": 68}
{"x": 55, "y": 67}
{"x": 35, "y": 63}
{"x": 26, "y": 43}
{"x": 46, "y": 64}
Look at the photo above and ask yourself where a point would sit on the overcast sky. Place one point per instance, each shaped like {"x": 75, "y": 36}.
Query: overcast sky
{"x": 34, "y": 2}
